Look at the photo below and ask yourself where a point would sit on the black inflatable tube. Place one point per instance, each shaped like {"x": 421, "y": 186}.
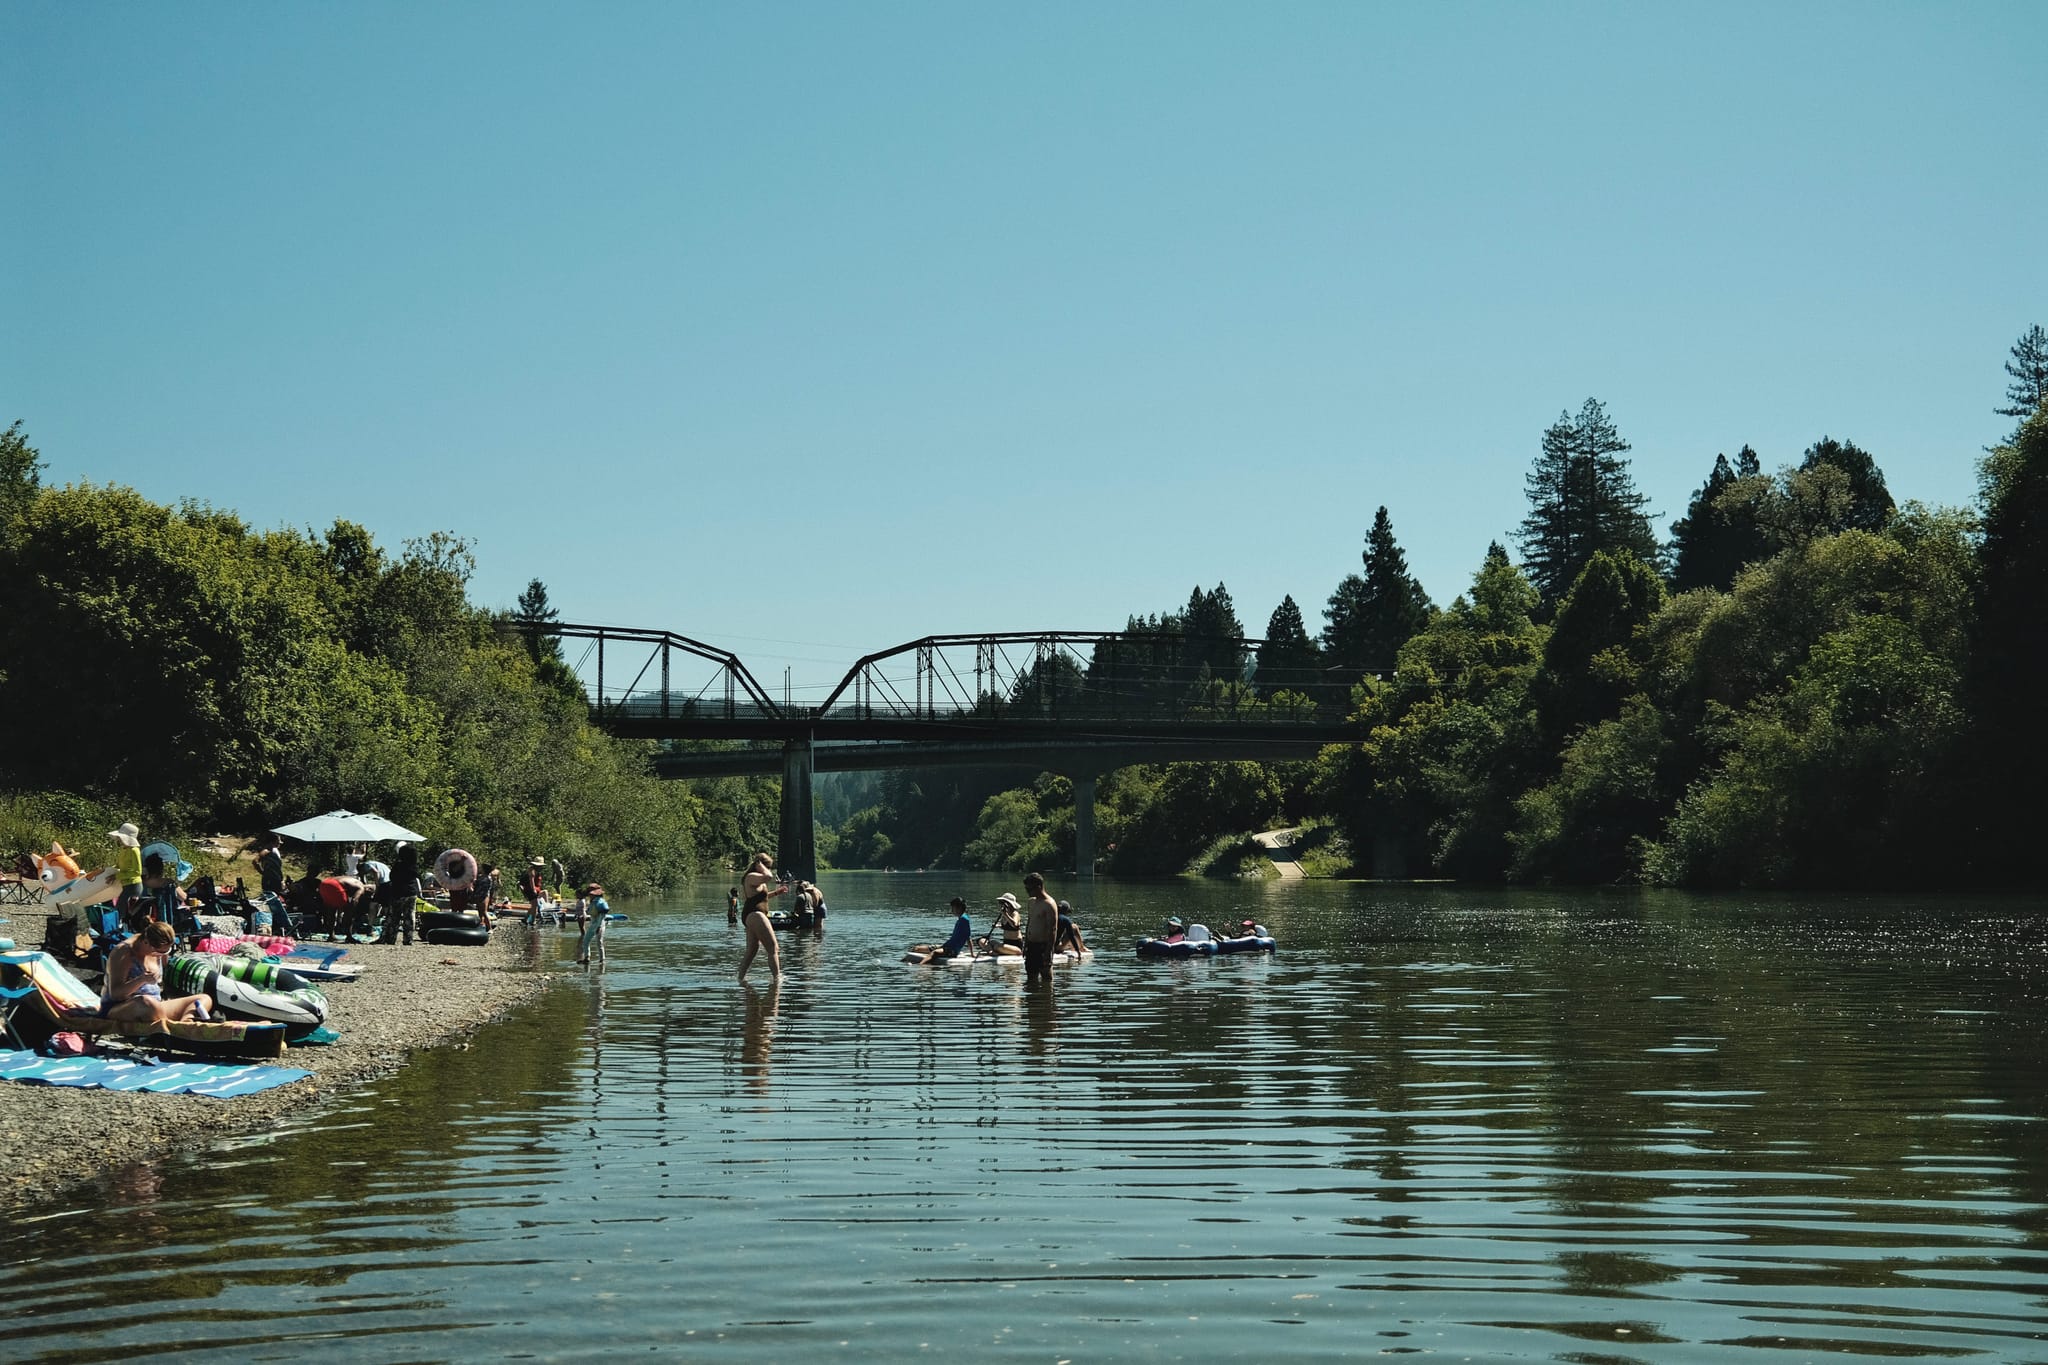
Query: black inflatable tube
{"x": 476, "y": 934}
{"x": 431, "y": 920}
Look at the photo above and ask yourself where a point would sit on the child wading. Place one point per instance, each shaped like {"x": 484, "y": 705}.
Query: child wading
{"x": 591, "y": 909}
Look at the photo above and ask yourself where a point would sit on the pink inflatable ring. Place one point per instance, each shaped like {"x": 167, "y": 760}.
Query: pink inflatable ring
{"x": 455, "y": 869}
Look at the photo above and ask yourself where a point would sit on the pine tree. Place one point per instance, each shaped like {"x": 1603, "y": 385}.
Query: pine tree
{"x": 1719, "y": 534}
{"x": 533, "y": 617}
{"x": 2029, "y": 370}
{"x": 1371, "y": 616}
{"x": 1288, "y": 661}
{"x": 1581, "y": 500}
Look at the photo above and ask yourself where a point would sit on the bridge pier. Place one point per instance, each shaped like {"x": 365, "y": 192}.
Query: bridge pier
{"x": 796, "y": 851}
{"x": 1084, "y": 825}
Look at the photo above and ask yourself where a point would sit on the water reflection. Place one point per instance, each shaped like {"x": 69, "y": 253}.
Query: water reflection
{"x": 1525, "y": 1125}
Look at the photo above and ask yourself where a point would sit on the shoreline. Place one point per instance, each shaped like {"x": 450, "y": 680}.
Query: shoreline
{"x": 54, "y": 1140}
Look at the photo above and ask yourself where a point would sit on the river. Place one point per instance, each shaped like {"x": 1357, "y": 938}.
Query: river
{"x": 1473, "y": 1125}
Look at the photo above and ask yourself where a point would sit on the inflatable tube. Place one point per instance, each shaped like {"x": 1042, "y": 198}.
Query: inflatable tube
{"x": 301, "y": 1011}
{"x": 448, "y": 919}
{"x": 256, "y": 972}
{"x": 455, "y": 869}
{"x": 1247, "y": 943}
{"x": 1176, "y": 947}
{"x": 473, "y": 937}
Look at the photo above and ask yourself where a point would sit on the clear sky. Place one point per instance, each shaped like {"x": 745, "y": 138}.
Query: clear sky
{"x": 807, "y": 329}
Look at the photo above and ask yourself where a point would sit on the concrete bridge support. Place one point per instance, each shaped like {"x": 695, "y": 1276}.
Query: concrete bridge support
{"x": 796, "y": 851}
{"x": 1084, "y": 824}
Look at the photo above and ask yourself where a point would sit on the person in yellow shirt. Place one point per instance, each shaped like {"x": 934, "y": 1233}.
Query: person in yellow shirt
{"x": 128, "y": 865}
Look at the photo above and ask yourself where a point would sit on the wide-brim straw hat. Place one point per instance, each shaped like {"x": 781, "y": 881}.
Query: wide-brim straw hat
{"x": 128, "y": 834}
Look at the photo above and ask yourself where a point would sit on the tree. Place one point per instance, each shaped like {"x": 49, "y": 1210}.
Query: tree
{"x": 1582, "y": 500}
{"x": 2009, "y": 653}
{"x": 2029, "y": 370}
{"x": 1699, "y": 549}
{"x": 1371, "y": 616}
{"x": 1288, "y": 661}
{"x": 21, "y": 468}
{"x": 1213, "y": 635}
{"x": 1593, "y": 659}
{"x": 1869, "y": 504}
{"x": 532, "y": 618}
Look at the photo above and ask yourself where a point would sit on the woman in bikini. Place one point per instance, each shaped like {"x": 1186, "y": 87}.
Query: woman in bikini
{"x": 134, "y": 988}
{"x": 756, "y": 888}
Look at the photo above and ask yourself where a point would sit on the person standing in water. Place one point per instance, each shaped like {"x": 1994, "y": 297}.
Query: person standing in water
{"x": 732, "y": 906}
{"x": 1041, "y": 926}
{"x": 756, "y": 889}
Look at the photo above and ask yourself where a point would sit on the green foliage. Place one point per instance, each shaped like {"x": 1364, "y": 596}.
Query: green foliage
{"x": 1238, "y": 857}
{"x": 2010, "y": 650}
{"x": 1831, "y": 782}
{"x": 172, "y": 662}
{"x": 1447, "y": 738}
{"x": 1588, "y": 823}
{"x": 1597, "y": 645}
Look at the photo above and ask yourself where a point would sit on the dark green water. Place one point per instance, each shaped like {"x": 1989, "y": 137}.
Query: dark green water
{"x": 1471, "y": 1125}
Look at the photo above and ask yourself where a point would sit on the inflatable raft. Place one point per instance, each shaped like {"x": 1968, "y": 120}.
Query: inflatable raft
{"x": 450, "y": 929}
{"x": 1198, "y": 942}
{"x": 244, "y": 988}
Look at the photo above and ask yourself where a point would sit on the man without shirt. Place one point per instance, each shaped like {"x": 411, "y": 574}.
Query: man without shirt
{"x": 1041, "y": 926}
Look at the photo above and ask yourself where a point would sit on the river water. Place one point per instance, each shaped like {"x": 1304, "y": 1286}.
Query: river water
{"x": 1456, "y": 1124}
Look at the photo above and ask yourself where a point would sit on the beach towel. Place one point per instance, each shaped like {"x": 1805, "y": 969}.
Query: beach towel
{"x": 161, "y": 1078}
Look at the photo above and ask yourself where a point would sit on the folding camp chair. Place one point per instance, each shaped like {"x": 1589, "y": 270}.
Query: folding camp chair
{"x": 11, "y": 1000}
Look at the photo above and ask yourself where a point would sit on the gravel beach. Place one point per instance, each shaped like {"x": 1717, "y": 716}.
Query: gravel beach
{"x": 53, "y": 1139}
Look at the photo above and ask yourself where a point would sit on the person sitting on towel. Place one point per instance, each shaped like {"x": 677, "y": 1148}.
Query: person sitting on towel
{"x": 134, "y": 987}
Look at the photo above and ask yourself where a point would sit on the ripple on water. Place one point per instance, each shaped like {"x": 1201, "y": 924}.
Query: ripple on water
{"x": 1474, "y": 1124}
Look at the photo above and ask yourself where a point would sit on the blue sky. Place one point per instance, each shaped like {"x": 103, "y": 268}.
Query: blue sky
{"x": 808, "y": 329}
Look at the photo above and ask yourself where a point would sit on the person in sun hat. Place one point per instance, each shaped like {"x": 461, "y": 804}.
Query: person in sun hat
{"x": 1006, "y": 935}
{"x": 128, "y": 863}
{"x": 592, "y": 909}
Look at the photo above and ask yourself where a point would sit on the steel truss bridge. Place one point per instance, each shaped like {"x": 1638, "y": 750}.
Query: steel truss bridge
{"x": 1077, "y": 703}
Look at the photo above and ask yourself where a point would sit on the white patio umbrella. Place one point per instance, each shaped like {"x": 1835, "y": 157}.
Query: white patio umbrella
{"x": 346, "y": 827}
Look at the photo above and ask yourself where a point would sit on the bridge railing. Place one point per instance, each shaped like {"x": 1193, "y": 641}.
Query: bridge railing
{"x": 654, "y": 675}
{"x": 1068, "y": 678}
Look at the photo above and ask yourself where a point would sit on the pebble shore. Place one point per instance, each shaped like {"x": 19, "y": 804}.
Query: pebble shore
{"x": 54, "y": 1139}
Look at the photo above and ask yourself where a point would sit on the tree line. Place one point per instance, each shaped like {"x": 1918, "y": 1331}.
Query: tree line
{"x": 174, "y": 666}
{"x": 1806, "y": 684}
